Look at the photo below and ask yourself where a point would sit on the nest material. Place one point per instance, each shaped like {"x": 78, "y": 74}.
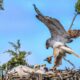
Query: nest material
{"x": 70, "y": 74}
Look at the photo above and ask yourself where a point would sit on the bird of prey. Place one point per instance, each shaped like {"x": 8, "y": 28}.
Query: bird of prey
{"x": 59, "y": 37}
{"x": 48, "y": 59}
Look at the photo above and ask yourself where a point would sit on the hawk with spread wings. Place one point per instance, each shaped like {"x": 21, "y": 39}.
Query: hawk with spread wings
{"x": 59, "y": 37}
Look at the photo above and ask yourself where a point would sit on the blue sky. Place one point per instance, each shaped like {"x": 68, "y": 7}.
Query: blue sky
{"x": 18, "y": 21}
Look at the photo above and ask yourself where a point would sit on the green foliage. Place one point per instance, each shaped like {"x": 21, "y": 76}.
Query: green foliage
{"x": 77, "y": 7}
{"x": 11, "y": 52}
{"x": 18, "y": 56}
{"x": 16, "y": 46}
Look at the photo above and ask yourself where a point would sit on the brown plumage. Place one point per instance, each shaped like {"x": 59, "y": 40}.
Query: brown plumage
{"x": 74, "y": 33}
{"x": 48, "y": 59}
{"x": 59, "y": 37}
{"x": 60, "y": 52}
{"x": 58, "y": 55}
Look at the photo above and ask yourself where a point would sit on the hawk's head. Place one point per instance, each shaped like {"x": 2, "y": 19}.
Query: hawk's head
{"x": 50, "y": 43}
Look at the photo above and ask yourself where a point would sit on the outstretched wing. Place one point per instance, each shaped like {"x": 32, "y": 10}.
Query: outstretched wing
{"x": 74, "y": 33}
{"x": 42, "y": 18}
{"x": 57, "y": 24}
{"x": 56, "y": 29}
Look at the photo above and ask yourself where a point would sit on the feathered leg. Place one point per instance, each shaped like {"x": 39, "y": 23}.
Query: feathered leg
{"x": 57, "y": 57}
{"x": 55, "y": 52}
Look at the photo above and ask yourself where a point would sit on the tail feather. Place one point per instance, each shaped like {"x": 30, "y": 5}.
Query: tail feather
{"x": 68, "y": 50}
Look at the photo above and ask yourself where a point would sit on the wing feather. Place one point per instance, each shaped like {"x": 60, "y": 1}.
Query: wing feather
{"x": 74, "y": 33}
{"x": 43, "y": 19}
{"x": 55, "y": 27}
{"x": 58, "y": 25}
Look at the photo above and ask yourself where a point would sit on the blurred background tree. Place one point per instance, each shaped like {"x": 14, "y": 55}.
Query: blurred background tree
{"x": 18, "y": 56}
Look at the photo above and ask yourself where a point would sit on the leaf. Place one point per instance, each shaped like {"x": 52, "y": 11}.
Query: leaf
{"x": 22, "y": 54}
{"x": 11, "y": 52}
{"x": 13, "y": 45}
{"x": 77, "y": 7}
{"x": 18, "y": 44}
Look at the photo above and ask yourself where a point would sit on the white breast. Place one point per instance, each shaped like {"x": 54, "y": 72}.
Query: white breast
{"x": 56, "y": 44}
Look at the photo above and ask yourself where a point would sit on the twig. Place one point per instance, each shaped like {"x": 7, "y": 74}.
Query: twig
{"x": 73, "y": 21}
{"x": 69, "y": 62}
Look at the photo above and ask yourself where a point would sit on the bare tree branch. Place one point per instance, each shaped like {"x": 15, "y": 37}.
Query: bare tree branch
{"x": 73, "y": 20}
{"x": 69, "y": 62}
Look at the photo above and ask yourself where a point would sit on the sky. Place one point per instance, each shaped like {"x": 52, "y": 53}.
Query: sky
{"x": 18, "y": 21}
